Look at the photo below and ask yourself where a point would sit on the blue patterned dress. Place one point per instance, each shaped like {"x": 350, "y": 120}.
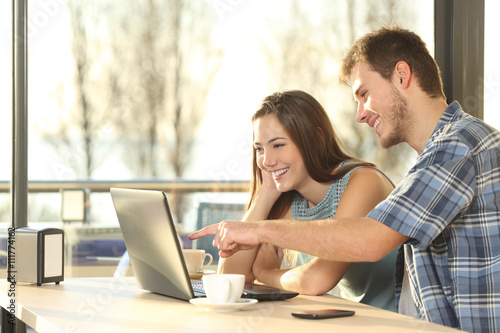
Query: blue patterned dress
{"x": 368, "y": 283}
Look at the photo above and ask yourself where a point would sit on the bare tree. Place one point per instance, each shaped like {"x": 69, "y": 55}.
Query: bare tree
{"x": 85, "y": 116}
{"x": 194, "y": 64}
{"x": 306, "y": 51}
{"x": 164, "y": 62}
{"x": 137, "y": 71}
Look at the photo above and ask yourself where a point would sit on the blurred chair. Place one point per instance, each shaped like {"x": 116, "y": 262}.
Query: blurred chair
{"x": 210, "y": 213}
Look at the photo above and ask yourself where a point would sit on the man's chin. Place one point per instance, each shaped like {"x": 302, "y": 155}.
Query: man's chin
{"x": 386, "y": 142}
{"x": 382, "y": 142}
{"x": 389, "y": 143}
{"x": 385, "y": 145}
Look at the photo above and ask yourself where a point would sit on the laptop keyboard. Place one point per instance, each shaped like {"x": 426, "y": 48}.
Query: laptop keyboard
{"x": 198, "y": 288}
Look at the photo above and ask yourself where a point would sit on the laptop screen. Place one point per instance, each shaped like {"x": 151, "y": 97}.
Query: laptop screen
{"x": 151, "y": 240}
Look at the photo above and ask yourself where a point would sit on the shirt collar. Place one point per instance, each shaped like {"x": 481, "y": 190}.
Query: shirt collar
{"x": 450, "y": 114}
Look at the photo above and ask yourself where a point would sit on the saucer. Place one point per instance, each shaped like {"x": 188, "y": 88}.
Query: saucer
{"x": 198, "y": 275}
{"x": 223, "y": 307}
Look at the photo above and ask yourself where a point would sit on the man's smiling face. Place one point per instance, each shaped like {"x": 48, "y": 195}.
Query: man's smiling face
{"x": 380, "y": 105}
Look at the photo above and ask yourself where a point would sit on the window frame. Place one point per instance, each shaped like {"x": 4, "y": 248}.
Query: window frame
{"x": 459, "y": 51}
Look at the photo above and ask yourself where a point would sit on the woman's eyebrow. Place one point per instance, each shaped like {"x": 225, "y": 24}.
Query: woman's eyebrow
{"x": 275, "y": 139}
{"x": 270, "y": 141}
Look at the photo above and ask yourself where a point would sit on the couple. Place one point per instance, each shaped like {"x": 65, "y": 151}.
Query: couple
{"x": 444, "y": 216}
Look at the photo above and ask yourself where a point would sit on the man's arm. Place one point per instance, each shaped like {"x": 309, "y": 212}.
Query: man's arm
{"x": 345, "y": 239}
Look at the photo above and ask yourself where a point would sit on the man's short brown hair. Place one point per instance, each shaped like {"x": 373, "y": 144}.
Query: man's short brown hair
{"x": 384, "y": 48}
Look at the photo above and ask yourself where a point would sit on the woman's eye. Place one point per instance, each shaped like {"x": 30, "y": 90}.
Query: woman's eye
{"x": 278, "y": 145}
{"x": 258, "y": 149}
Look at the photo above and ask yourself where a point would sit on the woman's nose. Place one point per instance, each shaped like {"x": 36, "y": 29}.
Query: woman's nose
{"x": 269, "y": 160}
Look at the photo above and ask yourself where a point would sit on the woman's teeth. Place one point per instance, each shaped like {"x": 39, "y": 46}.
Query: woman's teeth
{"x": 280, "y": 172}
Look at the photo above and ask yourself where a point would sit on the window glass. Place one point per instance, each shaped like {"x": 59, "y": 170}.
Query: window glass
{"x": 6, "y": 89}
{"x": 491, "y": 69}
{"x": 163, "y": 91}
{"x": 5, "y": 125}
{"x": 6, "y": 93}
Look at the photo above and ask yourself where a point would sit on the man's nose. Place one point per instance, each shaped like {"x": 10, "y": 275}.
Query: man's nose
{"x": 362, "y": 114}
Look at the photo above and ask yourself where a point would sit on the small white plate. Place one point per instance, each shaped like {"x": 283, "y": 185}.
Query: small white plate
{"x": 199, "y": 275}
{"x": 223, "y": 307}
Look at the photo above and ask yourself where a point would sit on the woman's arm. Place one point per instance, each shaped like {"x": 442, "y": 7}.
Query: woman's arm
{"x": 365, "y": 189}
{"x": 241, "y": 262}
{"x": 316, "y": 277}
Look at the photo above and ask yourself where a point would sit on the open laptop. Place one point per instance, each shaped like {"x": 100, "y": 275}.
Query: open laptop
{"x": 154, "y": 250}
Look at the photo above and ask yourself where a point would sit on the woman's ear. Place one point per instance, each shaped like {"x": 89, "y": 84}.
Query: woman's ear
{"x": 319, "y": 133}
{"x": 321, "y": 139}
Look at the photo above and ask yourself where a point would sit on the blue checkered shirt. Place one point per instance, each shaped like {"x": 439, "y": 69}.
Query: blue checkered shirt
{"x": 449, "y": 205}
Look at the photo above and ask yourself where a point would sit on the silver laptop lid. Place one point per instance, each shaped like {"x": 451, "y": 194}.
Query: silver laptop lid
{"x": 151, "y": 240}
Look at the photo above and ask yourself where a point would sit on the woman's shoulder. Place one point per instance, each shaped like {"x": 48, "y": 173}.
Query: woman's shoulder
{"x": 371, "y": 174}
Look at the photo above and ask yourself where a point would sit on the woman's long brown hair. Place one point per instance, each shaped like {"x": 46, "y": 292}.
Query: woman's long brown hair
{"x": 310, "y": 128}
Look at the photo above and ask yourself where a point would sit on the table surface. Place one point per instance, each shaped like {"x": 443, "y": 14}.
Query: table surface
{"x": 119, "y": 305}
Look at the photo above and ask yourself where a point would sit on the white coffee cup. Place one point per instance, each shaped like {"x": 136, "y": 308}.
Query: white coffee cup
{"x": 223, "y": 288}
{"x": 195, "y": 260}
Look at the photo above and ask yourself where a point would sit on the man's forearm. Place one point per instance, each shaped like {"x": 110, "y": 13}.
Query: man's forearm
{"x": 348, "y": 240}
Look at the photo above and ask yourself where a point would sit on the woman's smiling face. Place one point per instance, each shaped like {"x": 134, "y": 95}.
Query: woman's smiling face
{"x": 277, "y": 154}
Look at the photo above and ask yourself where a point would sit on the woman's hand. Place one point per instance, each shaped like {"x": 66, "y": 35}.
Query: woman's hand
{"x": 268, "y": 257}
{"x": 242, "y": 261}
{"x": 268, "y": 190}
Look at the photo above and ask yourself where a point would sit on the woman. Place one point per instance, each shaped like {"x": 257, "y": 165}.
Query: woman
{"x": 301, "y": 171}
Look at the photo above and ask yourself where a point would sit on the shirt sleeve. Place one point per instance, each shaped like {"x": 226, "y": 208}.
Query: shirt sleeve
{"x": 437, "y": 190}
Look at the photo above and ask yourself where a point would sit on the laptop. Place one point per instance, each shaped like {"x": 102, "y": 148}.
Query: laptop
{"x": 155, "y": 252}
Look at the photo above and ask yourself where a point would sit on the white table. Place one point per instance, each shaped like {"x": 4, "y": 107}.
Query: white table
{"x": 119, "y": 305}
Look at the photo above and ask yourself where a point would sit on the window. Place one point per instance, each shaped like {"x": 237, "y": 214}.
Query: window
{"x": 6, "y": 100}
{"x": 5, "y": 124}
{"x": 164, "y": 90}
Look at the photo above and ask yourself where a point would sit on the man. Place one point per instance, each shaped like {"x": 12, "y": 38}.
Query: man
{"x": 446, "y": 212}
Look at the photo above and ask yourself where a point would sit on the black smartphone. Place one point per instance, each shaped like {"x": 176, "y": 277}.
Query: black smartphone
{"x": 322, "y": 314}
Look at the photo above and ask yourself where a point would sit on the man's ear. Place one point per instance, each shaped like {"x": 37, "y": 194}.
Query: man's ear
{"x": 402, "y": 73}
